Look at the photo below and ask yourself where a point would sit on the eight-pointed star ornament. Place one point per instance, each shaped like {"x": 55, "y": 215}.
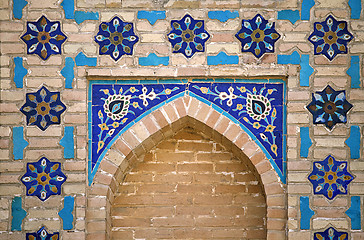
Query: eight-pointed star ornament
{"x": 330, "y": 177}
{"x": 329, "y": 107}
{"x": 43, "y": 178}
{"x": 43, "y": 108}
{"x": 44, "y": 38}
{"x": 188, "y": 36}
{"x": 42, "y": 234}
{"x": 330, "y": 37}
{"x": 116, "y": 38}
{"x": 257, "y": 36}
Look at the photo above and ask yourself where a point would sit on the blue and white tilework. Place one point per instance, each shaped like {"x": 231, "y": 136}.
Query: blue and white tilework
{"x": 43, "y": 108}
{"x": 330, "y": 177}
{"x": 188, "y": 36}
{"x": 43, "y": 179}
{"x": 331, "y": 234}
{"x": 44, "y": 38}
{"x": 329, "y": 107}
{"x": 257, "y": 107}
{"x": 330, "y": 37}
{"x": 257, "y": 36}
{"x": 116, "y": 38}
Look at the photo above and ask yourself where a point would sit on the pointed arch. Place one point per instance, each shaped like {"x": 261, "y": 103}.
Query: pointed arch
{"x": 163, "y": 123}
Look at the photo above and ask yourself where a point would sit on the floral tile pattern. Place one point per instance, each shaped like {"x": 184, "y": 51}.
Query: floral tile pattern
{"x": 257, "y": 107}
{"x": 330, "y": 37}
{"x": 331, "y": 234}
{"x": 42, "y": 234}
{"x": 330, "y": 177}
{"x": 43, "y": 178}
{"x": 43, "y": 108}
{"x": 257, "y": 36}
{"x": 329, "y": 107}
{"x": 44, "y": 38}
{"x": 188, "y": 36}
{"x": 116, "y": 38}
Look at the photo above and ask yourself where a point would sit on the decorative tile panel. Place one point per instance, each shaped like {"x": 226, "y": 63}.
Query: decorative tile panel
{"x": 330, "y": 37}
{"x": 331, "y": 234}
{"x": 43, "y": 108}
{"x": 43, "y": 179}
{"x": 329, "y": 107}
{"x": 42, "y": 234}
{"x": 256, "y": 105}
{"x": 257, "y": 36}
{"x": 188, "y": 36}
{"x": 44, "y": 38}
{"x": 330, "y": 177}
{"x": 116, "y": 38}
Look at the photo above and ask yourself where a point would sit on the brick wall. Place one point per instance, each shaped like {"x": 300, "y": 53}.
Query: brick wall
{"x": 190, "y": 187}
{"x": 83, "y": 208}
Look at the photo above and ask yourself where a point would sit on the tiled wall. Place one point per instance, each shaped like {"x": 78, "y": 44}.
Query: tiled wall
{"x": 53, "y": 52}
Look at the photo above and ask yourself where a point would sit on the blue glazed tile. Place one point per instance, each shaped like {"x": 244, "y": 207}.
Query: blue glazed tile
{"x": 43, "y": 179}
{"x": 331, "y": 233}
{"x": 329, "y": 107}
{"x": 306, "y": 6}
{"x": 354, "y": 71}
{"x": 306, "y": 213}
{"x": 356, "y": 7}
{"x": 68, "y": 72}
{"x": 330, "y": 37}
{"x": 69, "y": 8}
{"x": 42, "y": 234}
{"x": 153, "y": 60}
{"x": 223, "y": 16}
{"x": 116, "y": 38}
{"x": 306, "y": 70}
{"x": 188, "y": 36}
{"x": 354, "y": 142}
{"x": 19, "y": 143}
{"x": 330, "y": 177}
{"x": 294, "y": 58}
{"x": 81, "y": 16}
{"x": 257, "y": 36}
{"x": 18, "y": 6}
{"x": 354, "y": 213}
{"x": 82, "y": 60}
{"x": 292, "y": 15}
{"x": 67, "y": 142}
{"x": 43, "y": 108}
{"x": 44, "y": 38}
{"x": 115, "y": 107}
{"x": 17, "y": 213}
{"x": 152, "y": 16}
{"x": 66, "y": 212}
{"x": 222, "y": 59}
{"x": 19, "y": 72}
{"x": 306, "y": 142}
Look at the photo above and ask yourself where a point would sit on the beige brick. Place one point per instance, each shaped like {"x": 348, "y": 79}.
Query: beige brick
{"x": 149, "y": 37}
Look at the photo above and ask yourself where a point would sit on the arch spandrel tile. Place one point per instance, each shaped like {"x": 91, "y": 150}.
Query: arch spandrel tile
{"x": 256, "y": 106}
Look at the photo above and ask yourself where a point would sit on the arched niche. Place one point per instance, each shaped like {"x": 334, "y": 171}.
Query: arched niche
{"x": 161, "y": 124}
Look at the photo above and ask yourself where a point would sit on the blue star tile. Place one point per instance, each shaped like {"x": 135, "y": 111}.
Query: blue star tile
{"x": 330, "y": 37}
{"x": 257, "y": 36}
{"x": 43, "y": 108}
{"x": 330, "y": 177}
{"x": 44, "y": 38}
{"x": 188, "y": 36}
{"x": 329, "y": 107}
{"x": 43, "y": 179}
{"x": 42, "y": 234}
{"x": 331, "y": 234}
{"x": 116, "y": 38}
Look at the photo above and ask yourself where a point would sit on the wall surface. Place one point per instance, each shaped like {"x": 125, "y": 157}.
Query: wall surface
{"x": 60, "y": 178}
